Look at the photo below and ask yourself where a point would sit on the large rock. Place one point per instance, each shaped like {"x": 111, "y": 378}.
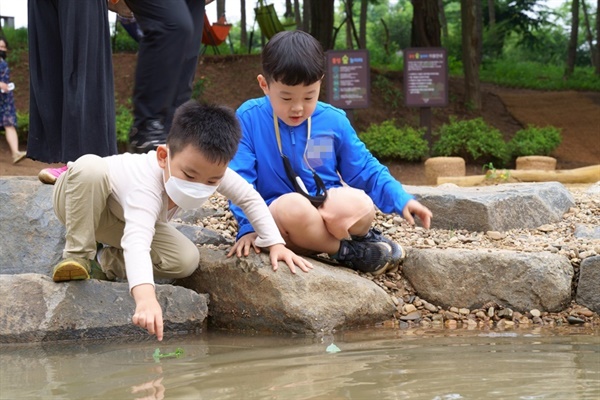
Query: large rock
{"x": 34, "y": 309}
{"x": 246, "y": 293}
{"x": 495, "y": 208}
{"x": 588, "y": 287}
{"x": 32, "y": 237}
{"x": 471, "y": 278}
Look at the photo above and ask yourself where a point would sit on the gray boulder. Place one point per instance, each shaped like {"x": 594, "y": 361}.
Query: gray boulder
{"x": 35, "y": 309}
{"x": 471, "y": 278}
{"x": 246, "y": 293}
{"x": 32, "y": 237}
{"x": 588, "y": 287}
{"x": 495, "y": 208}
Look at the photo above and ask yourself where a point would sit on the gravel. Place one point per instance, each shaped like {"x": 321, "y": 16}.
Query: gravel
{"x": 413, "y": 311}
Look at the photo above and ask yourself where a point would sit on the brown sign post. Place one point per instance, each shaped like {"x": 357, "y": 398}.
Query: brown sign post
{"x": 426, "y": 81}
{"x": 348, "y": 79}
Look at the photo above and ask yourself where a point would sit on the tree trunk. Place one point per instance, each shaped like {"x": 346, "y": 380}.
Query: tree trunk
{"x": 588, "y": 33}
{"x": 470, "y": 44}
{"x": 492, "y": 13}
{"x": 598, "y": 38}
{"x": 479, "y": 25}
{"x": 349, "y": 6}
{"x": 243, "y": 29}
{"x": 321, "y": 22}
{"x": 289, "y": 10}
{"x": 298, "y": 16}
{"x": 572, "y": 50}
{"x": 443, "y": 21}
{"x": 220, "y": 9}
{"x": 425, "y": 24}
{"x": 362, "y": 35}
{"x": 306, "y": 15}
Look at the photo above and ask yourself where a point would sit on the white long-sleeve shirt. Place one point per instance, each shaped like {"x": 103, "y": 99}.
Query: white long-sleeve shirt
{"x": 139, "y": 198}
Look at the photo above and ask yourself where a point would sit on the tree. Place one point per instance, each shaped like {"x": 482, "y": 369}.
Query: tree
{"x": 321, "y": 22}
{"x": 289, "y": 11}
{"x": 588, "y": 33}
{"x": 244, "y": 31}
{"x": 598, "y": 38}
{"x": 306, "y": 15}
{"x": 443, "y": 21}
{"x": 470, "y": 46}
{"x": 426, "y": 30}
{"x": 572, "y": 49}
{"x": 220, "y": 8}
{"x": 362, "y": 29}
{"x": 298, "y": 16}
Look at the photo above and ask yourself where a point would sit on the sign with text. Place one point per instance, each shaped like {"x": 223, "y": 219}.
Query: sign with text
{"x": 348, "y": 78}
{"x": 425, "y": 77}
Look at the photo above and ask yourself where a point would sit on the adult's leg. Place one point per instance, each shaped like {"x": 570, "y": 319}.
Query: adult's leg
{"x": 71, "y": 80}
{"x": 88, "y": 119}
{"x": 190, "y": 62}
{"x": 168, "y": 27}
{"x": 45, "y": 82}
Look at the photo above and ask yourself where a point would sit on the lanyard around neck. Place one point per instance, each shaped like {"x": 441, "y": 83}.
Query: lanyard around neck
{"x": 277, "y": 134}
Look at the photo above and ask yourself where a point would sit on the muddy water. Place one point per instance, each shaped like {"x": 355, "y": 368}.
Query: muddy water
{"x": 374, "y": 364}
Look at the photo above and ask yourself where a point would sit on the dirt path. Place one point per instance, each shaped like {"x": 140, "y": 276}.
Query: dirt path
{"x": 576, "y": 113}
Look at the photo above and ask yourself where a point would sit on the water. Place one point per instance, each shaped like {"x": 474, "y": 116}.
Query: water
{"x": 374, "y": 364}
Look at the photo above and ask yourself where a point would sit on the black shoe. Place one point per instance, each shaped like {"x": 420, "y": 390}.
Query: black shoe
{"x": 374, "y": 236}
{"x": 143, "y": 140}
{"x": 372, "y": 257}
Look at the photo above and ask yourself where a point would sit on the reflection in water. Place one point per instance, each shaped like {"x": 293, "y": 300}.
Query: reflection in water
{"x": 375, "y": 364}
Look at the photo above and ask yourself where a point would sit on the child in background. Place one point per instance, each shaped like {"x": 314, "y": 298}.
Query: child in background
{"x": 305, "y": 159}
{"x": 125, "y": 202}
{"x": 8, "y": 113}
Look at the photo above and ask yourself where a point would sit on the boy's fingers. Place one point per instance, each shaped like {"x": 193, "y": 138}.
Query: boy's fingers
{"x": 159, "y": 329}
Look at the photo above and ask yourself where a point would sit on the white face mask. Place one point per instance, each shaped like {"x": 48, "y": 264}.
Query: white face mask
{"x": 187, "y": 195}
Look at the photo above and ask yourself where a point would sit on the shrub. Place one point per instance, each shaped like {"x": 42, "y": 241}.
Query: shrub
{"x": 124, "y": 121}
{"x": 535, "y": 141}
{"x": 386, "y": 141}
{"x": 22, "y": 126}
{"x": 473, "y": 140}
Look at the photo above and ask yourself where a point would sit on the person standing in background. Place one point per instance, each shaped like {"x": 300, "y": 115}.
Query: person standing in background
{"x": 8, "y": 112}
{"x": 167, "y": 59}
{"x": 72, "y": 101}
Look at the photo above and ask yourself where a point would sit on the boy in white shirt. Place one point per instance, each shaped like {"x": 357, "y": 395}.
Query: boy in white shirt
{"x": 125, "y": 202}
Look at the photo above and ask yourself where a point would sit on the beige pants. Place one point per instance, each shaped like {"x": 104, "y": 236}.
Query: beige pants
{"x": 83, "y": 203}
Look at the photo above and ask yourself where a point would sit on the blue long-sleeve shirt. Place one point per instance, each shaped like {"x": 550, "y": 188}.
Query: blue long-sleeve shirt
{"x": 333, "y": 151}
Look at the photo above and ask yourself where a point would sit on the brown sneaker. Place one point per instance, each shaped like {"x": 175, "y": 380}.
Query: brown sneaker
{"x": 75, "y": 268}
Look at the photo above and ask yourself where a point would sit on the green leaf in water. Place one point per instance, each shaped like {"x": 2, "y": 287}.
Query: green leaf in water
{"x": 157, "y": 355}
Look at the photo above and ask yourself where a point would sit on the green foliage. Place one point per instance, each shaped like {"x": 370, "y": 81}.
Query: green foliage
{"x": 22, "y": 125}
{"x": 17, "y": 43}
{"x": 535, "y": 141}
{"x": 124, "y": 121}
{"x": 387, "y": 141}
{"x": 534, "y": 75}
{"x": 474, "y": 140}
{"x": 122, "y": 42}
{"x": 199, "y": 87}
{"x": 391, "y": 94}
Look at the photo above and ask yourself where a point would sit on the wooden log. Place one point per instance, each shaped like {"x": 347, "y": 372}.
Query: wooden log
{"x": 589, "y": 174}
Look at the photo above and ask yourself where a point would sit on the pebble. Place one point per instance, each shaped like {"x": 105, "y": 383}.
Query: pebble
{"x": 557, "y": 238}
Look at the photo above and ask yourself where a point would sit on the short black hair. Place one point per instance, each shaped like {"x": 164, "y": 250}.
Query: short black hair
{"x": 213, "y": 129}
{"x": 293, "y": 58}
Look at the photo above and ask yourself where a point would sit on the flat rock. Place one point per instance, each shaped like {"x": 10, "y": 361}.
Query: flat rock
{"x": 247, "y": 294}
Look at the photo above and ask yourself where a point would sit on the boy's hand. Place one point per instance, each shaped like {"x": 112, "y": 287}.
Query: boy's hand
{"x": 413, "y": 207}
{"x": 148, "y": 314}
{"x": 279, "y": 252}
{"x": 244, "y": 244}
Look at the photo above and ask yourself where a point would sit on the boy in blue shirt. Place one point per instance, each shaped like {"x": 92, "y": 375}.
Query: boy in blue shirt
{"x": 307, "y": 162}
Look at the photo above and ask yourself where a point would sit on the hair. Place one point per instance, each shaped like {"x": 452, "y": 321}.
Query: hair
{"x": 293, "y": 58}
{"x": 212, "y": 129}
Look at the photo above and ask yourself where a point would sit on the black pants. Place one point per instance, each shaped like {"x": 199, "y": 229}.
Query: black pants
{"x": 72, "y": 101}
{"x": 167, "y": 57}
